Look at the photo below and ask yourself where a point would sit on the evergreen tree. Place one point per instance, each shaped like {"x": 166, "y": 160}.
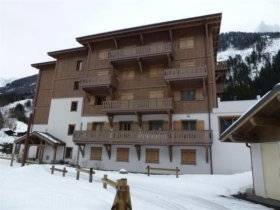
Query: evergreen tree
{"x": 19, "y": 113}
{"x": 1, "y": 120}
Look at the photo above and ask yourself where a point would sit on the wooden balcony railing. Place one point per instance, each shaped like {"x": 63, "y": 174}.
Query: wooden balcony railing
{"x": 140, "y": 51}
{"x": 98, "y": 81}
{"x": 174, "y": 74}
{"x": 143, "y": 137}
{"x": 163, "y": 104}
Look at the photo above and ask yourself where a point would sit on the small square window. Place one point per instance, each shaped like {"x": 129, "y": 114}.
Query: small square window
{"x": 74, "y": 106}
{"x": 189, "y": 125}
{"x": 152, "y": 155}
{"x": 188, "y": 95}
{"x": 156, "y": 125}
{"x": 188, "y": 157}
{"x": 99, "y": 100}
{"x": 96, "y": 153}
{"x": 125, "y": 126}
{"x": 122, "y": 154}
{"x": 71, "y": 129}
{"x": 76, "y": 85}
{"x": 79, "y": 65}
{"x": 68, "y": 152}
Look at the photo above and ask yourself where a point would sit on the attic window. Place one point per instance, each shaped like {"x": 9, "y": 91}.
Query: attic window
{"x": 79, "y": 65}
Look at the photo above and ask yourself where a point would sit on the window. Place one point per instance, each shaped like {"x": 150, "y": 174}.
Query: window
{"x": 74, "y": 106}
{"x": 188, "y": 156}
{"x": 71, "y": 129}
{"x": 96, "y": 126}
{"x": 125, "y": 126}
{"x": 76, "y": 85}
{"x": 188, "y": 95}
{"x": 122, "y": 154}
{"x": 96, "y": 153}
{"x": 127, "y": 96}
{"x": 68, "y": 152}
{"x": 156, "y": 94}
{"x": 79, "y": 65}
{"x": 99, "y": 100}
{"x": 152, "y": 155}
{"x": 189, "y": 125}
{"x": 156, "y": 125}
{"x": 186, "y": 43}
{"x": 225, "y": 122}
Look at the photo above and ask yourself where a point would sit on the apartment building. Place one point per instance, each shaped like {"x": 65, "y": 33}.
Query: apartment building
{"x": 134, "y": 97}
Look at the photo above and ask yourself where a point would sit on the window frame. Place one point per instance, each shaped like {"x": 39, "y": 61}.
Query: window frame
{"x": 189, "y": 162}
{"x": 99, "y": 99}
{"x": 76, "y": 85}
{"x": 125, "y": 125}
{"x": 71, "y": 129}
{"x": 186, "y": 98}
{"x": 79, "y": 65}
{"x": 121, "y": 149}
{"x": 74, "y": 106}
{"x": 151, "y": 126}
{"x": 150, "y": 150}
{"x": 66, "y": 152}
{"x": 92, "y": 157}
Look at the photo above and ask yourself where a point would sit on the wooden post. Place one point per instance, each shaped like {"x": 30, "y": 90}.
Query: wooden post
{"x": 78, "y": 156}
{"x": 104, "y": 183}
{"x": 78, "y": 173}
{"x": 90, "y": 174}
{"x": 54, "y": 153}
{"x": 64, "y": 172}
{"x": 122, "y": 200}
{"x": 177, "y": 172}
{"x": 148, "y": 170}
{"x": 25, "y": 152}
{"x": 13, "y": 155}
{"x": 52, "y": 169}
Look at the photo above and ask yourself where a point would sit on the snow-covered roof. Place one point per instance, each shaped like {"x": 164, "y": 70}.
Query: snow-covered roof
{"x": 46, "y": 137}
{"x": 4, "y": 138}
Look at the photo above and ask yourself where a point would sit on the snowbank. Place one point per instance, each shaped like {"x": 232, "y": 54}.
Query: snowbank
{"x": 158, "y": 192}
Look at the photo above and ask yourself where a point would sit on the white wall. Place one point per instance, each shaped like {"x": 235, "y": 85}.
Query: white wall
{"x": 258, "y": 170}
{"x": 229, "y": 158}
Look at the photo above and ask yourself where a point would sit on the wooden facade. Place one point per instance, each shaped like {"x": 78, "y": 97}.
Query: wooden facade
{"x": 144, "y": 70}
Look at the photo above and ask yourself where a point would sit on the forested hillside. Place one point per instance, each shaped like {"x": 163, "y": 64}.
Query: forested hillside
{"x": 254, "y": 63}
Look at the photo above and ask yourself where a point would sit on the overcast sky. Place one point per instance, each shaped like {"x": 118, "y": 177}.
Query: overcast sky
{"x": 30, "y": 28}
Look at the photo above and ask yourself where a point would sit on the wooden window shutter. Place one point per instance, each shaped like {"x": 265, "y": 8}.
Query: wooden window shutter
{"x": 186, "y": 43}
{"x": 200, "y": 125}
{"x": 102, "y": 55}
{"x": 177, "y": 95}
{"x": 152, "y": 155}
{"x": 177, "y": 125}
{"x": 156, "y": 94}
{"x": 123, "y": 154}
{"x": 96, "y": 153}
{"x": 199, "y": 94}
{"x": 188, "y": 156}
{"x": 127, "y": 96}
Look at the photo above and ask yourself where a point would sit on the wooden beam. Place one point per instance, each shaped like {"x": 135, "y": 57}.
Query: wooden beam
{"x": 82, "y": 149}
{"x": 54, "y": 153}
{"x": 90, "y": 46}
{"x": 265, "y": 122}
{"x": 170, "y": 149}
{"x": 140, "y": 64}
{"x": 171, "y": 35}
{"x": 207, "y": 154}
{"x": 141, "y": 39}
{"x": 108, "y": 148}
{"x": 139, "y": 120}
{"x": 116, "y": 42}
{"x": 138, "y": 151}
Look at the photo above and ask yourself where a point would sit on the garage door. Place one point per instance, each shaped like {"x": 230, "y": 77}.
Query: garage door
{"x": 271, "y": 167}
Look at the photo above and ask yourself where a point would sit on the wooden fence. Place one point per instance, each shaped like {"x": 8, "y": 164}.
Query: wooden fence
{"x": 176, "y": 170}
{"x": 89, "y": 171}
{"x": 64, "y": 171}
{"x": 122, "y": 199}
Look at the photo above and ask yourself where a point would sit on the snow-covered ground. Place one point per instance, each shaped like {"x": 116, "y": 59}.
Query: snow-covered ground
{"x": 5, "y": 109}
{"x": 33, "y": 187}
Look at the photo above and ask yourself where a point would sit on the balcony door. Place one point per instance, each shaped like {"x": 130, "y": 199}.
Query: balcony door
{"x": 156, "y": 125}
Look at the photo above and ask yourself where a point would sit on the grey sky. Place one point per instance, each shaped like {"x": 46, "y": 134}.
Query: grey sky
{"x": 30, "y": 28}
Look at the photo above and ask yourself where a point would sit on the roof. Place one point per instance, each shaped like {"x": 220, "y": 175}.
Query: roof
{"x": 46, "y": 137}
{"x": 259, "y": 122}
{"x": 58, "y": 53}
{"x": 44, "y": 64}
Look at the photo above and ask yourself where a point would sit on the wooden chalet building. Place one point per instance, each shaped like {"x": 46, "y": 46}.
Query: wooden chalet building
{"x": 134, "y": 97}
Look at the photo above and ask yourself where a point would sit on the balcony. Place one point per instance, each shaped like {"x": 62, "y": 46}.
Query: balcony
{"x": 142, "y": 106}
{"x": 157, "y": 49}
{"x": 98, "y": 83}
{"x": 179, "y": 74}
{"x": 160, "y": 138}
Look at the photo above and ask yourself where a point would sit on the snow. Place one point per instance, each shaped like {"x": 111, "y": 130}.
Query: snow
{"x": 273, "y": 46}
{"x": 20, "y": 127}
{"x": 33, "y": 187}
{"x": 48, "y": 137}
{"x": 5, "y": 109}
{"x": 4, "y": 138}
{"x": 4, "y": 81}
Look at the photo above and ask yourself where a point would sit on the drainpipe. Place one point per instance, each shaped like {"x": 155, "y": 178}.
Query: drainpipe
{"x": 208, "y": 101}
{"x": 249, "y": 146}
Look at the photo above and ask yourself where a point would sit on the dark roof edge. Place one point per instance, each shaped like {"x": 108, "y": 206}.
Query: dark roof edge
{"x": 57, "y": 53}
{"x": 241, "y": 120}
{"x": 43, "y": 64}
{"x": 83, "y": 39}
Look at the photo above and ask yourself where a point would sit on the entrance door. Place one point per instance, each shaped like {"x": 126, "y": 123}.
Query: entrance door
{"x": 271, "y": 167}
